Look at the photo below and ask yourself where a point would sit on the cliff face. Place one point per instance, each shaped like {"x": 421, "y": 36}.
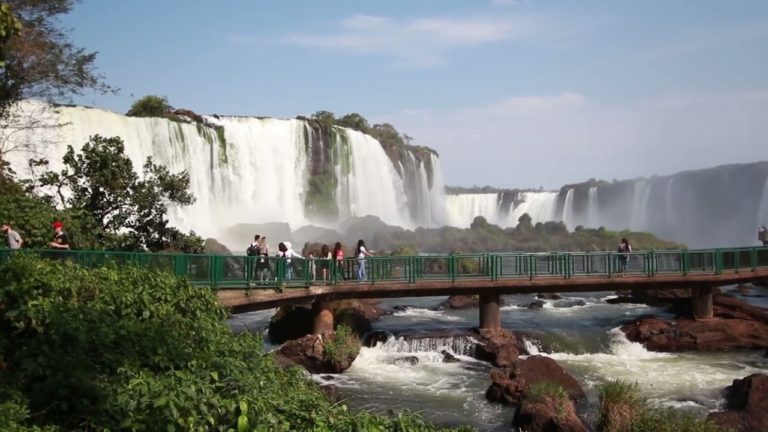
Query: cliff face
{"x": 251, "y": 170}
{"x": 720, "y": 206}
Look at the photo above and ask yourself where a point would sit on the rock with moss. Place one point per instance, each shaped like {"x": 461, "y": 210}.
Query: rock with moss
{"x": 510, "y": 385}
{"x": 547, "y": 408}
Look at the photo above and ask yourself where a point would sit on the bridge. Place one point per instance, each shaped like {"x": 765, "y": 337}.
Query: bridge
{"x": 245, "y": 283}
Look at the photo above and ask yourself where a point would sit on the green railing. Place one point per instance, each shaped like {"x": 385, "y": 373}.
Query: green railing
{"x": 237, "y": 271}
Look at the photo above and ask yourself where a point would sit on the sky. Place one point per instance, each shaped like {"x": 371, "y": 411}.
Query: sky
{"x": 511, "y": 93}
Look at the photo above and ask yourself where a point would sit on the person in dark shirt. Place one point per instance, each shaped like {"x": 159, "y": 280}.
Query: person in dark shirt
{"x": 60, "y": 238}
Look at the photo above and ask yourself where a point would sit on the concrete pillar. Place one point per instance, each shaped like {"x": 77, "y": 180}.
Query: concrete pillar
{"x": 490, "y": 313}
{"x": 323, "y": 322}
{"x": 702, "y": 302}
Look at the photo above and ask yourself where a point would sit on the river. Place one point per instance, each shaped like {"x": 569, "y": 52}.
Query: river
{"x": 584, "y": 338}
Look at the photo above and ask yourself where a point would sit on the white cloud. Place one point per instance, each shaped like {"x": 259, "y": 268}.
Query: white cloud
{"x": 557, "y": 139}
{"x": 421, "y": 42}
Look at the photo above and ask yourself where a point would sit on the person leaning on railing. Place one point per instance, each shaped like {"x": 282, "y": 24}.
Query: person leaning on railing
{"x": 14, "y": 239}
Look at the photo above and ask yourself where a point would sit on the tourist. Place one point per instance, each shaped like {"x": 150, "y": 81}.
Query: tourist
{"x": 254, "y": 251}
{"x": 262, "y": 265}
{"x": 311, "y": 267}
{"x": 60, "y": 238}
{"x": 325, "y": 261}
{"x": 624, "y": 249}
{"x": 338, "y": 259}
{"x": 361, "y": 253}
{"x": 288, "y": 253}
{"x": 14, "y": 239}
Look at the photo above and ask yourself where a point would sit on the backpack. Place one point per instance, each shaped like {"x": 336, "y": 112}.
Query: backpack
{"x": 252, "y": 250}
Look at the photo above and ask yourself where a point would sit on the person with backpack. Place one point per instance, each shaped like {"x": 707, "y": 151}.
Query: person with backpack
{"x": 624, "y": 249}
{"x": 253, "y": 250}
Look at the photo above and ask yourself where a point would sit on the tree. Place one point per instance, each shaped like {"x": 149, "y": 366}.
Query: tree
{"x": 524, "y": 221}
{"x": 326, "y": 119}
{"x": 9, "y": 27}
{"x": 150, "y": 106}
{"x": 129, "y": 212}
{"x": 41, "y": 61}
{"x": 354, "y": 121}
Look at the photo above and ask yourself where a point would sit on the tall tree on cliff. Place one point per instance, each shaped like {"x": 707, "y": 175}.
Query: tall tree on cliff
{"x": 40, "y": 62}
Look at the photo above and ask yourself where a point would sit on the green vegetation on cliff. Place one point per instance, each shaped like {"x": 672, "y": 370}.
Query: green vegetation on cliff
{"x": 525, "y": 237}
{"x": 131, "y": 349}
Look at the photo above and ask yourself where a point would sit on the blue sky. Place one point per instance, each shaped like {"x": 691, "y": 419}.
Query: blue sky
{"x": 511, "y": 93}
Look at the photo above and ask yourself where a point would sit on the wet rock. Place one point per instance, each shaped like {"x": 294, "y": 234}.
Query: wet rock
{"x": 309, "y": 352}
{"x": 373, "y": 338}
{"x": 460, "y": 302}
{"x": 293, "y": 322}
{"x": 407, "y": 361}
{"x": 569, "y": 303}
{"x": 510, "y": 385}
{"x": 548, "y": 415}
{"x": 746, "y": 401}
{"x": 737, "y": 325}
{"x": 501, "y": 347}
{"x": 448, "y": 357}
{"x": 290, "y": 323}
{"x": 327, "y": 377}
{"x": 331, "y": 392}
{"x": 213, "y": 246}
{"x": 548, "y": 296}
{"x": 536, "y": 304}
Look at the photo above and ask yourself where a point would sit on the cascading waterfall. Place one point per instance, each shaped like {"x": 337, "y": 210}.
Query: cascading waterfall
{"x": 251, "y": 170}
{"x": 540, "y": 206}
{"x": 567, "y": 217}
{"x": 670, "y": 201}
{"x": 640, "y": 196}
{"x": 762, "y": 218}
{"x": 460, "y": 345}
{"x": 463, "y": 208}
{"x": 593, "y": 214}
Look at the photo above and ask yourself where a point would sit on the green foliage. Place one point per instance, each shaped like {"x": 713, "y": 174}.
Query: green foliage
{"x": 150, "y": 106}
{"x": 321, "y": 193}
{"x": 114, "y": 206}
{"x": 124, "y": 348}
{"x": 623, "y": 408}
{"x": 544, "y": 391}
{"x": 344, "y": 345}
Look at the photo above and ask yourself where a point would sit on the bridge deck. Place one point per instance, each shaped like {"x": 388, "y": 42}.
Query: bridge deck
{"x": 243, "y": 300}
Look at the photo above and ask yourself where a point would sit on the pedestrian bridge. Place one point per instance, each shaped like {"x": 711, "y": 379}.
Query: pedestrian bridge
{"x": 245, "y": 283}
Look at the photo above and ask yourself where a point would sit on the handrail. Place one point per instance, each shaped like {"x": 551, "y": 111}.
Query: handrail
{"x": 239, "y": 271}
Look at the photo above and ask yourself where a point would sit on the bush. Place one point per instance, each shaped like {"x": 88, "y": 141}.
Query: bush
{"x": 623, "y": 408}
{"x": 343, "y": 346}
{"x": 131, "y": 349}
{"x": 150, "y": 106}
{"x": 545, "y": 391}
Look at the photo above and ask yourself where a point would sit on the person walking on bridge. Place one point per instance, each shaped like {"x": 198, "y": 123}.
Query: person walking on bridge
{"x": 361, "y": 253}
{"x": 624, "y": 249}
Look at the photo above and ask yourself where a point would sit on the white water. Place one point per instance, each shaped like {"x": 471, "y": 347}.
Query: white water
{"x": 762, "y": 218}
{"x": 568, "y": 210}
{"x": 463, "y": 208}
{"x": 540, "y": 206}
{"x": 593, "y": 216}
{"x": 258, "y": 175}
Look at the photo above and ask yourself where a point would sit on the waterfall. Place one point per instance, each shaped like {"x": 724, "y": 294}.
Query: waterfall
{"x": 762, "y": 217}
{"x": 460, "y": 345}
{"x": 641, "y": 193}
{"x": 463, "y": 208}
{"x": 252, "y": 170}
{"x": 540, "y": 206}
{"x": 568, "y": 210}
{"x": 670, "y": 213}
{"x": 593, "y": 213}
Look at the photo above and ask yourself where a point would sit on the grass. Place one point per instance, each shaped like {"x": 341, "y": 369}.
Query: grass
{"x": 548, "y": 392}
{"x": 343, "y": 345}
{"x": 624, "y": 409}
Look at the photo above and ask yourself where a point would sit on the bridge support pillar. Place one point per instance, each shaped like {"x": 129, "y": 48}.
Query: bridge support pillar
{"x": 702, "y": 302}
{"x": 490, "y": 312}
{"x": 323, "y": 322}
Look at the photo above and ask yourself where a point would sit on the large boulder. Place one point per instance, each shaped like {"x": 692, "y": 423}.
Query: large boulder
{"x": 460, "y": 302}
{"x": 501, "y": 347}
{"x": 215, "y": 247}
{"x": 747, "y": 400}
{"x": 510, "y": 385}
{"x": 310, "y": 352}
{"x": 293, "y": 322}
{"x": 737, "y": 325}
{"x": 548, "y": 415}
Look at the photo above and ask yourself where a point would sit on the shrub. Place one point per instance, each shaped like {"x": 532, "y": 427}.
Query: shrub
{"x": 343, "y": 345}
{"x": 132, "y": 349}
{"x": 150, "y": 106}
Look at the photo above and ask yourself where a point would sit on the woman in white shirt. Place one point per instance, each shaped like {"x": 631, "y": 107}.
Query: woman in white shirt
{"x": 361, "y": 253}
